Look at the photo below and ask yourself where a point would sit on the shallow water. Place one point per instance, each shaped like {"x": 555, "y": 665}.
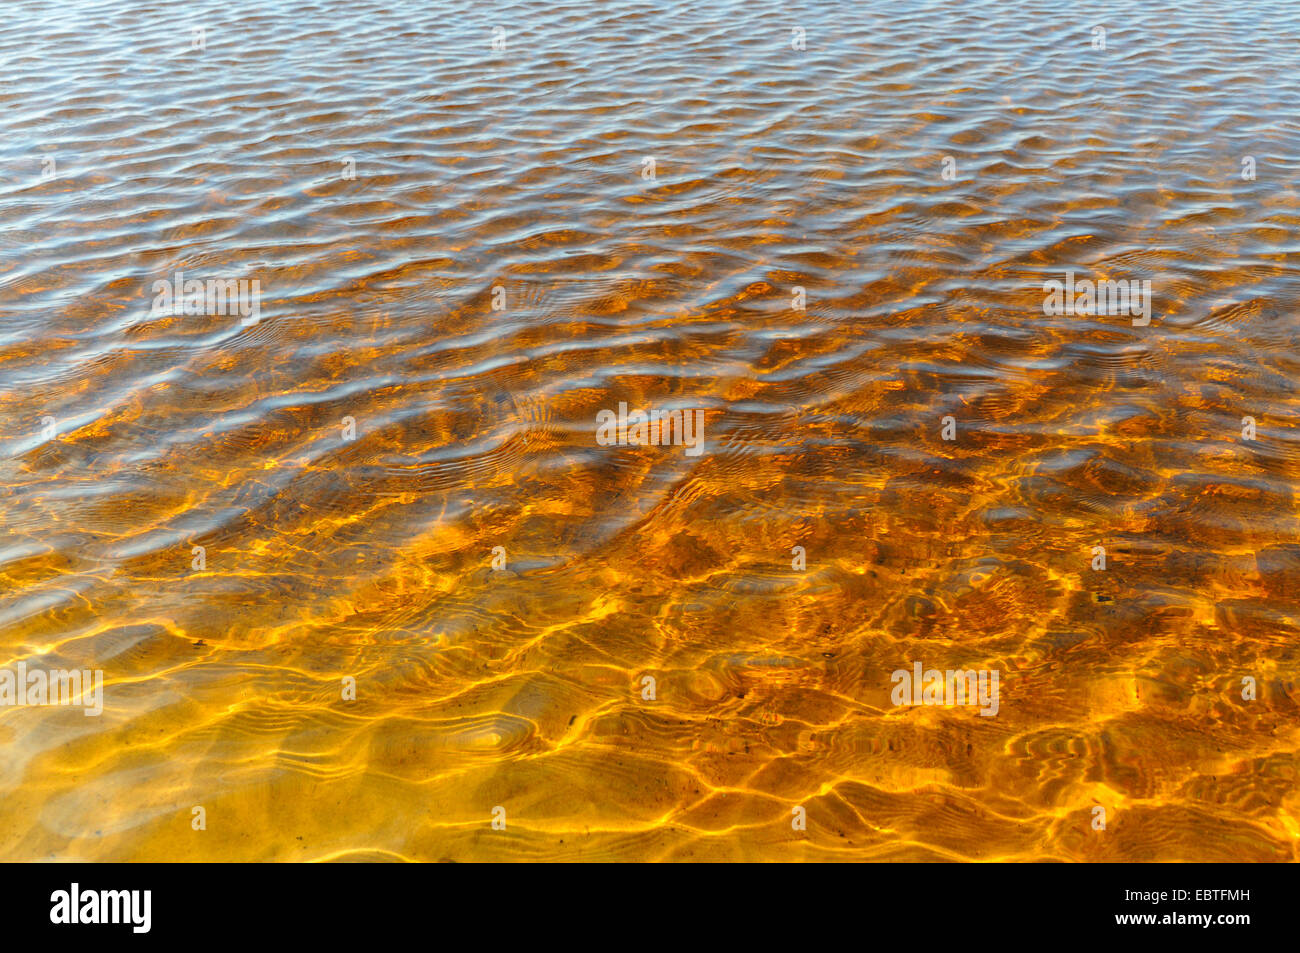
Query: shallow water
{"x": 364, "y": 550}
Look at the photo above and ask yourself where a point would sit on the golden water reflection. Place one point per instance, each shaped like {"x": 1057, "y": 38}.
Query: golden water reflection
{"x": 327, "y": 557}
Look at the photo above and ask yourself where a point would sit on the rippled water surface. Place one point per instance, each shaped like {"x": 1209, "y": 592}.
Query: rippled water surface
{"x": 439, "y": 331}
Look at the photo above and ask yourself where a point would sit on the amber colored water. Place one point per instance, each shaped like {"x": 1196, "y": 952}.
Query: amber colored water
{"x": 371, "y": 558}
